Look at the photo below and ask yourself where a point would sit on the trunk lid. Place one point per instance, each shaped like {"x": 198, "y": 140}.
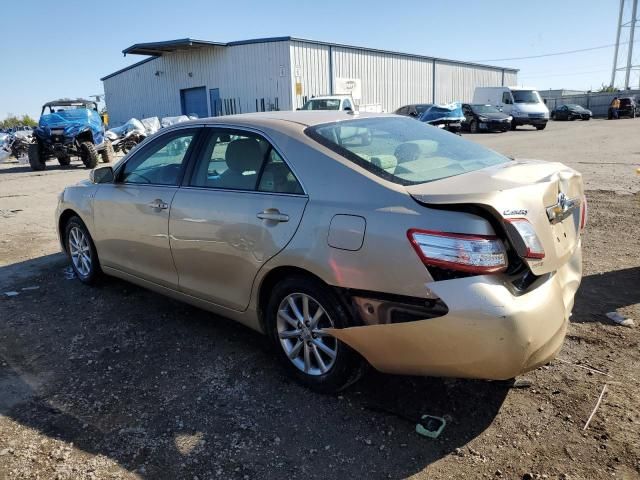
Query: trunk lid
{"x": 520, "y": 189}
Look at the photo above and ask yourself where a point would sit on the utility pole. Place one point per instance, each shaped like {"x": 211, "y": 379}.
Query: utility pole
{"x": 631, "y": 24}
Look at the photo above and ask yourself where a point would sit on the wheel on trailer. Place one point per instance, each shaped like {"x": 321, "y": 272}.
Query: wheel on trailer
{"x": 108, "y": 154}
{"x": 88, "y": 154}
{"x": 36, "y": 157}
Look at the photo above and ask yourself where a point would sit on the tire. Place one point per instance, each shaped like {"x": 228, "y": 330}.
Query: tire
{"x": 473, "y": 126}
{"x": 553, "y": 116}
{"x": 541, "y": 127}
{"x": 345, "y": 368}
{"x": 89, "y": 154}
{"x": 513, "y": 125}
{"x": 64, "y": 161}
{"x": 36, "y": 157}
{"x": 76, "y": 233}
{"x": 108, "y": 154}
{"x": 572, "y": 118}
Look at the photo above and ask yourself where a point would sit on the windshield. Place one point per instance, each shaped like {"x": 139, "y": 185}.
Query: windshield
{"x": 322, "y": 104}
{"x": 525, "y": 96}
{"x": 484, "y": 109}
{"x": 402, "y": 150}
{"x": 422, "y": 107}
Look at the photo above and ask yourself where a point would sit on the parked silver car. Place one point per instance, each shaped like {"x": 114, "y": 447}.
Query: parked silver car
{"x": 346, "y": 238}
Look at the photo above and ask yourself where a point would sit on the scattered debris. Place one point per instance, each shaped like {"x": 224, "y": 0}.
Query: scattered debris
{"x": 593, "y": 370}
{"x": 620, "y": 320}
{"x": 604, "y": 389}
{"x": 11, "y": 294}
{"x": 430, "y": 426}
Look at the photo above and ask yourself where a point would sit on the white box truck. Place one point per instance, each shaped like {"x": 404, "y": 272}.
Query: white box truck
{"x": 523, "y": 104}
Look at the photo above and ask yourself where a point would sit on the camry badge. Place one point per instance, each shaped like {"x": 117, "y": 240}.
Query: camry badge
{"x": 515, "y": 211}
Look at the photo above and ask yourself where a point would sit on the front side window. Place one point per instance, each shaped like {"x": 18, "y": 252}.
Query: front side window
{"x": 506, "y": 98}
{"x": 161, "y": 162}
{"x": 402, "y": 150}
{"x": 346, "y": 105}
{"x": 236, "y": 160}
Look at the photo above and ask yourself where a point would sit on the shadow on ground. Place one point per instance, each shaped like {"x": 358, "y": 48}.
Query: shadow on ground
{"x": 52, "y": 165}
{"x": 606, "y": 292}
{"x": 170, "y": 391}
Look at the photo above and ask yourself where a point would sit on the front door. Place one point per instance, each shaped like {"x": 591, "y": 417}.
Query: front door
{"x": 131, "y": 215}
{"x": 240, "y": 207}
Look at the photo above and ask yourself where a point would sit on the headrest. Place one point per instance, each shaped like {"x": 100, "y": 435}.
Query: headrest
{"x": 243, "y": 155}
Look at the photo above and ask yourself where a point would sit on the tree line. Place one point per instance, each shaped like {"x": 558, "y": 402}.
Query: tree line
{"x": 17, "y": 120}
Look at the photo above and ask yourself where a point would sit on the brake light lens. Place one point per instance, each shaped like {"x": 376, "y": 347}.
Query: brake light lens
{"x": 528, "y": 244}
{"x": 584, "y": 213}
{"x": 466, "y": 253}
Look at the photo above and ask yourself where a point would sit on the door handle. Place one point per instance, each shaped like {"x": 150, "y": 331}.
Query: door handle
{"x": 159, "y": 204}
{"x": 273, "y": 214}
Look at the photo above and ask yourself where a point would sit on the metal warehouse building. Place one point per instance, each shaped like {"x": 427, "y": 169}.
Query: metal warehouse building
{"x": 212, "y": 78}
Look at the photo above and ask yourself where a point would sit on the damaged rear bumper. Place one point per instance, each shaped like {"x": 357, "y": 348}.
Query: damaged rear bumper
{"x": 490, "y": 332}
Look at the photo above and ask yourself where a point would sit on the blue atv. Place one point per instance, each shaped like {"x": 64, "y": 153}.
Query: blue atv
{"x": 70, "y": 128}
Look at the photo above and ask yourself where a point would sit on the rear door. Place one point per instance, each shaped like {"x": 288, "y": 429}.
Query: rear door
{"x": 241, "y": 205}
{"x": 131, "y": 215}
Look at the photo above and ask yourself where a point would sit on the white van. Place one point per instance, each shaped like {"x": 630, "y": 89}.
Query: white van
{"x": 523, "y": 104}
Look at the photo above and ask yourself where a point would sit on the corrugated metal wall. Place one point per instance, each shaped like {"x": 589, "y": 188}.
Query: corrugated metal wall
{"x": 271, "y": 71}
{"x": 244, "y": 73}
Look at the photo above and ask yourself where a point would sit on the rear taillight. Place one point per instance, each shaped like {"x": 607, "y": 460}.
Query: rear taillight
{"x": 524, "y": 239}
{"x": 583, "y": 213}
{"x": 457, "y": 251}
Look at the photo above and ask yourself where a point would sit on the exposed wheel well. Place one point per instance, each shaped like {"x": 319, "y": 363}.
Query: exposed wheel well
{"x": 270, "y": 281}
{"x": 62, "y": 223}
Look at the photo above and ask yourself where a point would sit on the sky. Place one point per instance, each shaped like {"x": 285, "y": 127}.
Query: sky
{"x": 51, "y": 50}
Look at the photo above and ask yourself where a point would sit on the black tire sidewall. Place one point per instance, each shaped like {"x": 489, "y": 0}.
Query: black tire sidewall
{"x": 348, "y": 364}
{"x": 36, "y": 157}
{"x": 89, "y": 154}
{"x": 473, "y": 126}
{"x": 95, "y": 272}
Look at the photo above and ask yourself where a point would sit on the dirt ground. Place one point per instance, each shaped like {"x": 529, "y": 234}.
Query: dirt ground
{"x": 119, "y": 382}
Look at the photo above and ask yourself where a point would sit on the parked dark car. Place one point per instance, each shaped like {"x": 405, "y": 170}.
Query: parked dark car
{"x": 413, "y": 110}
{"x": 484, "y": 118}
{"x": 628, "y": 107}
{"x": 571, "y": 111}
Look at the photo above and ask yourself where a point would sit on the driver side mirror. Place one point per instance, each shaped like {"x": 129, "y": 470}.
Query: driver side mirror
{"x": 101, "y": 175}
{"x": 347, "y": 109}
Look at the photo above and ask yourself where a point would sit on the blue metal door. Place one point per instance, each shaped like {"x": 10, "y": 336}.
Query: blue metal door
{"x": 216, "y": 103}
{"x": 194, "y": 101}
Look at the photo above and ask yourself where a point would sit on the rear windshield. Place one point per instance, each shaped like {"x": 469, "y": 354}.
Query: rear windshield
{"x": 402, "y": 150}
{"x": 322, "y": 104}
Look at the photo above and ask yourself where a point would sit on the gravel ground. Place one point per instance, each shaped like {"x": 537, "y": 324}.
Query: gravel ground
{"x": 119, "y": 382}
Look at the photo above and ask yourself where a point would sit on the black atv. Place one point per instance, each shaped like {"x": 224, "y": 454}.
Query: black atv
{"x": 70, "y": 128}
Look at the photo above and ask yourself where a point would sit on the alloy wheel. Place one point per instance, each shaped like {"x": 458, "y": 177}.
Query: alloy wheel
{"x": 300, "y": 323}
{"x": 80, "y": 251}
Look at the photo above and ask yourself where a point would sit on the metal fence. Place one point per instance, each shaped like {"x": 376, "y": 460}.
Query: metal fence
{"x": 597, "y": 102}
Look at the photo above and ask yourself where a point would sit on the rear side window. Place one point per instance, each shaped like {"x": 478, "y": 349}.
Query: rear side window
{"x": 403, "y": 150}
{"x": 235, "y": 160}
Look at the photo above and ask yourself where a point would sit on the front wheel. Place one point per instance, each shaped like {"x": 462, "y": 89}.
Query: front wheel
{"x": 82, "y": 251}
{"x": 514, "y": 125}
{"x": 88, "y": 154}
{"x": 299, "y": 310}
{"x": 64, "y": 160}
{"x": 473, "y": 126}
{"x": 541, "y": 127}
{"x": 36, "y": 157}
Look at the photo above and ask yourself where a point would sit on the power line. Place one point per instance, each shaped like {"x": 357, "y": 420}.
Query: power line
{"x": 563, "y": 74}
{"x": 568, "y": 52}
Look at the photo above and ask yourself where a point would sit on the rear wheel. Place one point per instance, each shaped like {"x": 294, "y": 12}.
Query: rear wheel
{"x": 513, "y": 125}
{"x": 64, "y": 160}
{"x": 299, "y": 309}
{"x": 541, "y": 127}
{"x": 36, "y": 157}
{"x": 473, "y": 126}
{"x": 108, "y": 154}
{"x": 89, "y": 154}
{"x": 82, "y": 251}
{"x": 553, "y": 115}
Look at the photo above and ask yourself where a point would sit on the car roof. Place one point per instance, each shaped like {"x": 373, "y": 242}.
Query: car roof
{"x": 304, "y": 118}
{"x": 68, "y": 102}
